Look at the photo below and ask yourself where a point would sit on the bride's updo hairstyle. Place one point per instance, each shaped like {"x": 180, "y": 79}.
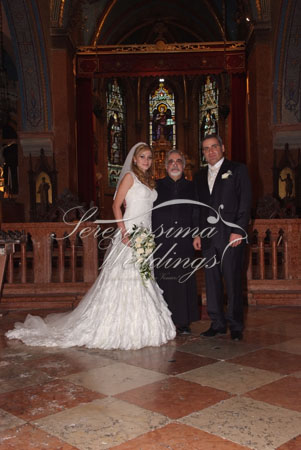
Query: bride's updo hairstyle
{"x": 145, "y": 177}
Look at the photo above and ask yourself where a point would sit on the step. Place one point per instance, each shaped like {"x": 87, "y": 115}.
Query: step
{"x": 285, "y": 298}
{"x": 39, "y": 302}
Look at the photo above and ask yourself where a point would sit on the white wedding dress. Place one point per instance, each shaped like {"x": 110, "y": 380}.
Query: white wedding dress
{"x": 119, "y": 311}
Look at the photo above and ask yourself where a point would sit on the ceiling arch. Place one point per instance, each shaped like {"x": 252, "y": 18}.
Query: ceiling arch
{"x": 203, "y": 22}
{"x": 111, "y": 22}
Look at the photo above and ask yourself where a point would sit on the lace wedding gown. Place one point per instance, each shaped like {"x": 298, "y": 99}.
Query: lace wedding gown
{"x": 119, "y": 311}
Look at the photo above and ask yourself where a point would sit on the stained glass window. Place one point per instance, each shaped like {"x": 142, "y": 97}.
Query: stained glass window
{"x": 116, "y": 119}
{"x": 208, "y": 109}
{"x": 162, "y": 112}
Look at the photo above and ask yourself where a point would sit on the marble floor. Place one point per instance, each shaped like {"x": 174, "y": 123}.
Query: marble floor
{"x": 194, "y": 393}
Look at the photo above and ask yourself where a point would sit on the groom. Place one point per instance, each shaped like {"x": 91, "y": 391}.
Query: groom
{"x": 224, "y": 186}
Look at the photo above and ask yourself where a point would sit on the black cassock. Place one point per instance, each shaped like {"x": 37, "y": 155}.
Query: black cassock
{"x": 181, "y": 296}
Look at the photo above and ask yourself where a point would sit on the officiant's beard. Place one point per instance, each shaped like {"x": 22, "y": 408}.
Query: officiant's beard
{"x": 175, "y": 174}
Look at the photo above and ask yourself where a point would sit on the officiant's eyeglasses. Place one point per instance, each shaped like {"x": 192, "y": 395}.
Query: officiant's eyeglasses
{"x": 170, "y": 162}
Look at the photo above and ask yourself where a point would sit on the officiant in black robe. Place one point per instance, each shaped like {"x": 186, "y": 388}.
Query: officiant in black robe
{"x": 180, "y": 290}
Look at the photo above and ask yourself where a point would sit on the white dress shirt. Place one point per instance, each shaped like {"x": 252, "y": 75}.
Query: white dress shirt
{"x": 212, "y": 173}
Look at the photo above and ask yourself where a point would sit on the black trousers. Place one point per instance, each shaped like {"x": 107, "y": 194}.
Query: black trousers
{"x": 226, "y": 273}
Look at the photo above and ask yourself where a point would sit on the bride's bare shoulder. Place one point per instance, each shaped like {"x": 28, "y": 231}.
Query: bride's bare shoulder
{"x": 126, "y": 183}
{"x": 128, "y": 178}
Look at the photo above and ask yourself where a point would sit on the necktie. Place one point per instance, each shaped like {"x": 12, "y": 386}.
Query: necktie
{"x": 212, "y": 173}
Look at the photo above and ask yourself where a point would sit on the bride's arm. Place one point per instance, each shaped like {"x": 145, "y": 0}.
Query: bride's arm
{"x": 125, "y": 185}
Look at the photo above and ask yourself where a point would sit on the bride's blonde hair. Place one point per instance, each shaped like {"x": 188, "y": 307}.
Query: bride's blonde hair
{"x": 145, "y": 177}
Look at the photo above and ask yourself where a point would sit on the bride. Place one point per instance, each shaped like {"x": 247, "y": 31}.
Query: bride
{"x": 120, "y": 311}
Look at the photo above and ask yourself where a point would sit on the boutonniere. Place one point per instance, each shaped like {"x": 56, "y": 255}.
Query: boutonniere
{"x": 226, "y": 174}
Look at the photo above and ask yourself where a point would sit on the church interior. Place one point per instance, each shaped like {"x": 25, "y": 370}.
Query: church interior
{"x": 81, "y": 82}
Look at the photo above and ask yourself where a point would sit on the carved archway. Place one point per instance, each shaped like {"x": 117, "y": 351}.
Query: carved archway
{"x": 31, "y": 61}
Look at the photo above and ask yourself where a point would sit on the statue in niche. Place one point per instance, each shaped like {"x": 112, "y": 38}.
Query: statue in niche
{"x": 43, "y": 191}
{"x": 289, "y": 184}
{"x": 42, "y": 187}
{"x": 286, "y": 180}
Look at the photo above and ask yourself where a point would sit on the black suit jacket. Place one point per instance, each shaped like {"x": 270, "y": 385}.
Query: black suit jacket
{"x": 230, "y": 201}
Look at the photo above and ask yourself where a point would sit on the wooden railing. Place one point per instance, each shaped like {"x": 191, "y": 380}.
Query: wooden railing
{"x": 274, "y": 261}
{"x": 56, "y": 266}
{"x": 56, "y": 261}
{"x": 52, "y": 252}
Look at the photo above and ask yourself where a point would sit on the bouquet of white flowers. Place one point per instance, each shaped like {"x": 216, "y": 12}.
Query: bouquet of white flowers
{"x": 143, "y": 244}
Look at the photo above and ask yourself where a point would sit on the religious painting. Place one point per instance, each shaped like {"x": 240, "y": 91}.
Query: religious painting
{"x": 208, "y": 109}
{"x": 162, "y": 125}
{"x": 116, "y": 136}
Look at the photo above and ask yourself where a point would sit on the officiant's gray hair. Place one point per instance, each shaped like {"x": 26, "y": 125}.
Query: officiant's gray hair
{"x": 174, "y": 150}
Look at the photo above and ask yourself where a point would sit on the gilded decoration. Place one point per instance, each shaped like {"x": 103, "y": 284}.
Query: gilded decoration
{"x": 138, "y": 60}
{"x": 161, "y": 46}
